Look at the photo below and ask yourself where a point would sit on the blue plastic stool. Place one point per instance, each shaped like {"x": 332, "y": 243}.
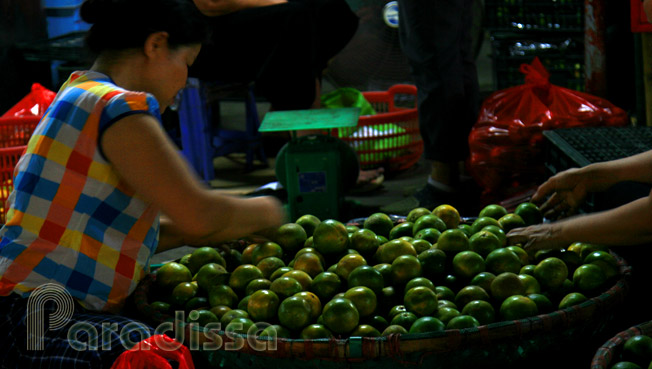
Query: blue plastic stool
{"x": 201, "y": 142}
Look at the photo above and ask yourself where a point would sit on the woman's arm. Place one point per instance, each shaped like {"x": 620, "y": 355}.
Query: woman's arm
{"x": 564, "y": 192}
{"x": 637, "y": 168}
{"x": 212, "y": 8}
{"x": 626, "y": 225}
{"x": 146, "y": 159}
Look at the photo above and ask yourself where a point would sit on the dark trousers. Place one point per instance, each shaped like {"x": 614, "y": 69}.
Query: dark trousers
{"x": 60, "y": 349}
{"x": 283, "y": 48}
{"x": 435, "y": 35}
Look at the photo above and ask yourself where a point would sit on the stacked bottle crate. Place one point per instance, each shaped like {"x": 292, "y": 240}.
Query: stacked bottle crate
{"x": 552, "y": 30}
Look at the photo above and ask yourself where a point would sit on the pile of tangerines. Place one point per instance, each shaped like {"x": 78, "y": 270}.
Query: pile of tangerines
{"x": 429, "y": 271}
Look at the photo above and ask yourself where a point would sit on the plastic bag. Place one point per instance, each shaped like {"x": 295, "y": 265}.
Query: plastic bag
{"x": 153, "y": 353}
{"x": 33, "y": 104}
{"x": 347, "y": 97}
{"x": 506, "y": 142}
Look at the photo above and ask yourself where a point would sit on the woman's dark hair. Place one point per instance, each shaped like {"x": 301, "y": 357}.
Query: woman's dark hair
{"x": 125, "y": 24}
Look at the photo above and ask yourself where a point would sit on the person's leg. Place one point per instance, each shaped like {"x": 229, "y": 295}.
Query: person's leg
{"x": 436, "y": 39}
{"x": 471, "y": 101}
{"x": 89, "y": 340}
{"x": 268, "y": 45}
{"x": 288, "y": 79}
{"x": 316, "y": 31}
{"x": 238, "y": 49}
{"x": 283, "y": 48}
{"x": 334, "y": 25}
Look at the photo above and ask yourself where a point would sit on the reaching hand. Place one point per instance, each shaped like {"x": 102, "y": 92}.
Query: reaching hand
{"x": 536, "y": 237}
{"x": 566, "y": 190}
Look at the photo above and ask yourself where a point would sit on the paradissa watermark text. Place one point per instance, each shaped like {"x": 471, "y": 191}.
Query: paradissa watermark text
{"x": 94, "y": 335}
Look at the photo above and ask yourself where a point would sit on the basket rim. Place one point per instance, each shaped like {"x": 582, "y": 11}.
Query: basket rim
{"x": 12, "y": 150}
{"x": 21, "y": 120}
{"x": 604, "y": 354}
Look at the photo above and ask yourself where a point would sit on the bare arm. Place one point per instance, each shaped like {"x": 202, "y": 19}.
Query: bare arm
{"x": 146, "y": 159}
{"x": 626, "y": 225}
{"x": 563, "y": 193}
{"x": 636, "y": 168}
{"x": 214, "y": 8}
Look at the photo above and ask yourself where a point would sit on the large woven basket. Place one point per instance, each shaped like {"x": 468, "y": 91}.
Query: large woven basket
{"x": 605, "y": 355}
{"x": 493, "y": 345}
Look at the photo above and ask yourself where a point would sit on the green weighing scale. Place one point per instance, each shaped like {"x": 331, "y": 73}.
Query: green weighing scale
{"x": 316, "y": 170}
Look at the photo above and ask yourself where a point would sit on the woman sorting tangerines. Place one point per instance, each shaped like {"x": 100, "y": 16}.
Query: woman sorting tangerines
{"x": 101, "y": 187}
{"x": 628, "y": 224}
{"x": 563, "y": 193}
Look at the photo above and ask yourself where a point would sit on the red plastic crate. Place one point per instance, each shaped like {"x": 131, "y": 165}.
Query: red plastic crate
{"x": 391, "y": 137}
{"x": 638, "y": 17}
{"x": 16, "y": 131}
{"x": 8, "y": 158}
{"x": 14, "y": 134}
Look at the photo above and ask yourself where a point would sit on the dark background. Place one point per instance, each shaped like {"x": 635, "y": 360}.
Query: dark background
{"x": 24, "y": 21}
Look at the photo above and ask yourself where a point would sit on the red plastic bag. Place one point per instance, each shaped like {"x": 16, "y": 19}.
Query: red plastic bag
{"x": 153, "y": 353}
{"x": 33, "y": 104}
{"x": 506, "y": 141}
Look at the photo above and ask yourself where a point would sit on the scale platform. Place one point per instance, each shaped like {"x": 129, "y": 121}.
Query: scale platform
{"x": 315, "y": 170}
{"x": 293, "y": 120}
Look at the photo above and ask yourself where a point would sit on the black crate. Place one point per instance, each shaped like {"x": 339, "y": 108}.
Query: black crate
{"x": 540, "y": 16}
{"x": 562, "y": 56}
{"x": 578, "y": 147}
{"x": 69, "y": 47}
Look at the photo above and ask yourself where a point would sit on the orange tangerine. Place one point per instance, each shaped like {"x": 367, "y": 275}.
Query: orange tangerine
{"x": 420, "y": 300}
{"x": 363, "y": 298}
{"x": 294, "y": 313}
{"x": 264, "y": 250}
{"x": 340, "y": 315}
{"x": 300, "y": 276}
{"x": 330, "y": 237}
{"x": 462, "y": 321}
{"x": 503, "y": 260}
{"x": 171, "y": 274}
{"x": 315, "y": 331}
{"x": 467, "y": 264}
{"x": 518, "y": 307}
{"x": 309, "y": 222}
{"x": 482, "y": 310}
{"x": 448, "y": 214}
{"x": 427, "y": 324}
{"x": 313, "y": 300}
{"x": 263, "y": 305}
{"x": 493, "y": 210}
{"x": 222, "y": 295}
{"x": 365, "y": 330}
{"x": 291, "y": 237}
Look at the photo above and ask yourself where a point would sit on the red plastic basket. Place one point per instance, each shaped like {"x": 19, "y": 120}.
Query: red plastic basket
{"x": 16, "y": 131}
{"x": 8, "y": 158}
{"x": 14, "y": 134}
{"x": 390, "y": 138}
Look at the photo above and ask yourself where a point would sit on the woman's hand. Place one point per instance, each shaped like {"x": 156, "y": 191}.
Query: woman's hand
{"x": 266, "y": 214}
{"x": 537, "y": 237}
{"x": 563, "y": 193}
